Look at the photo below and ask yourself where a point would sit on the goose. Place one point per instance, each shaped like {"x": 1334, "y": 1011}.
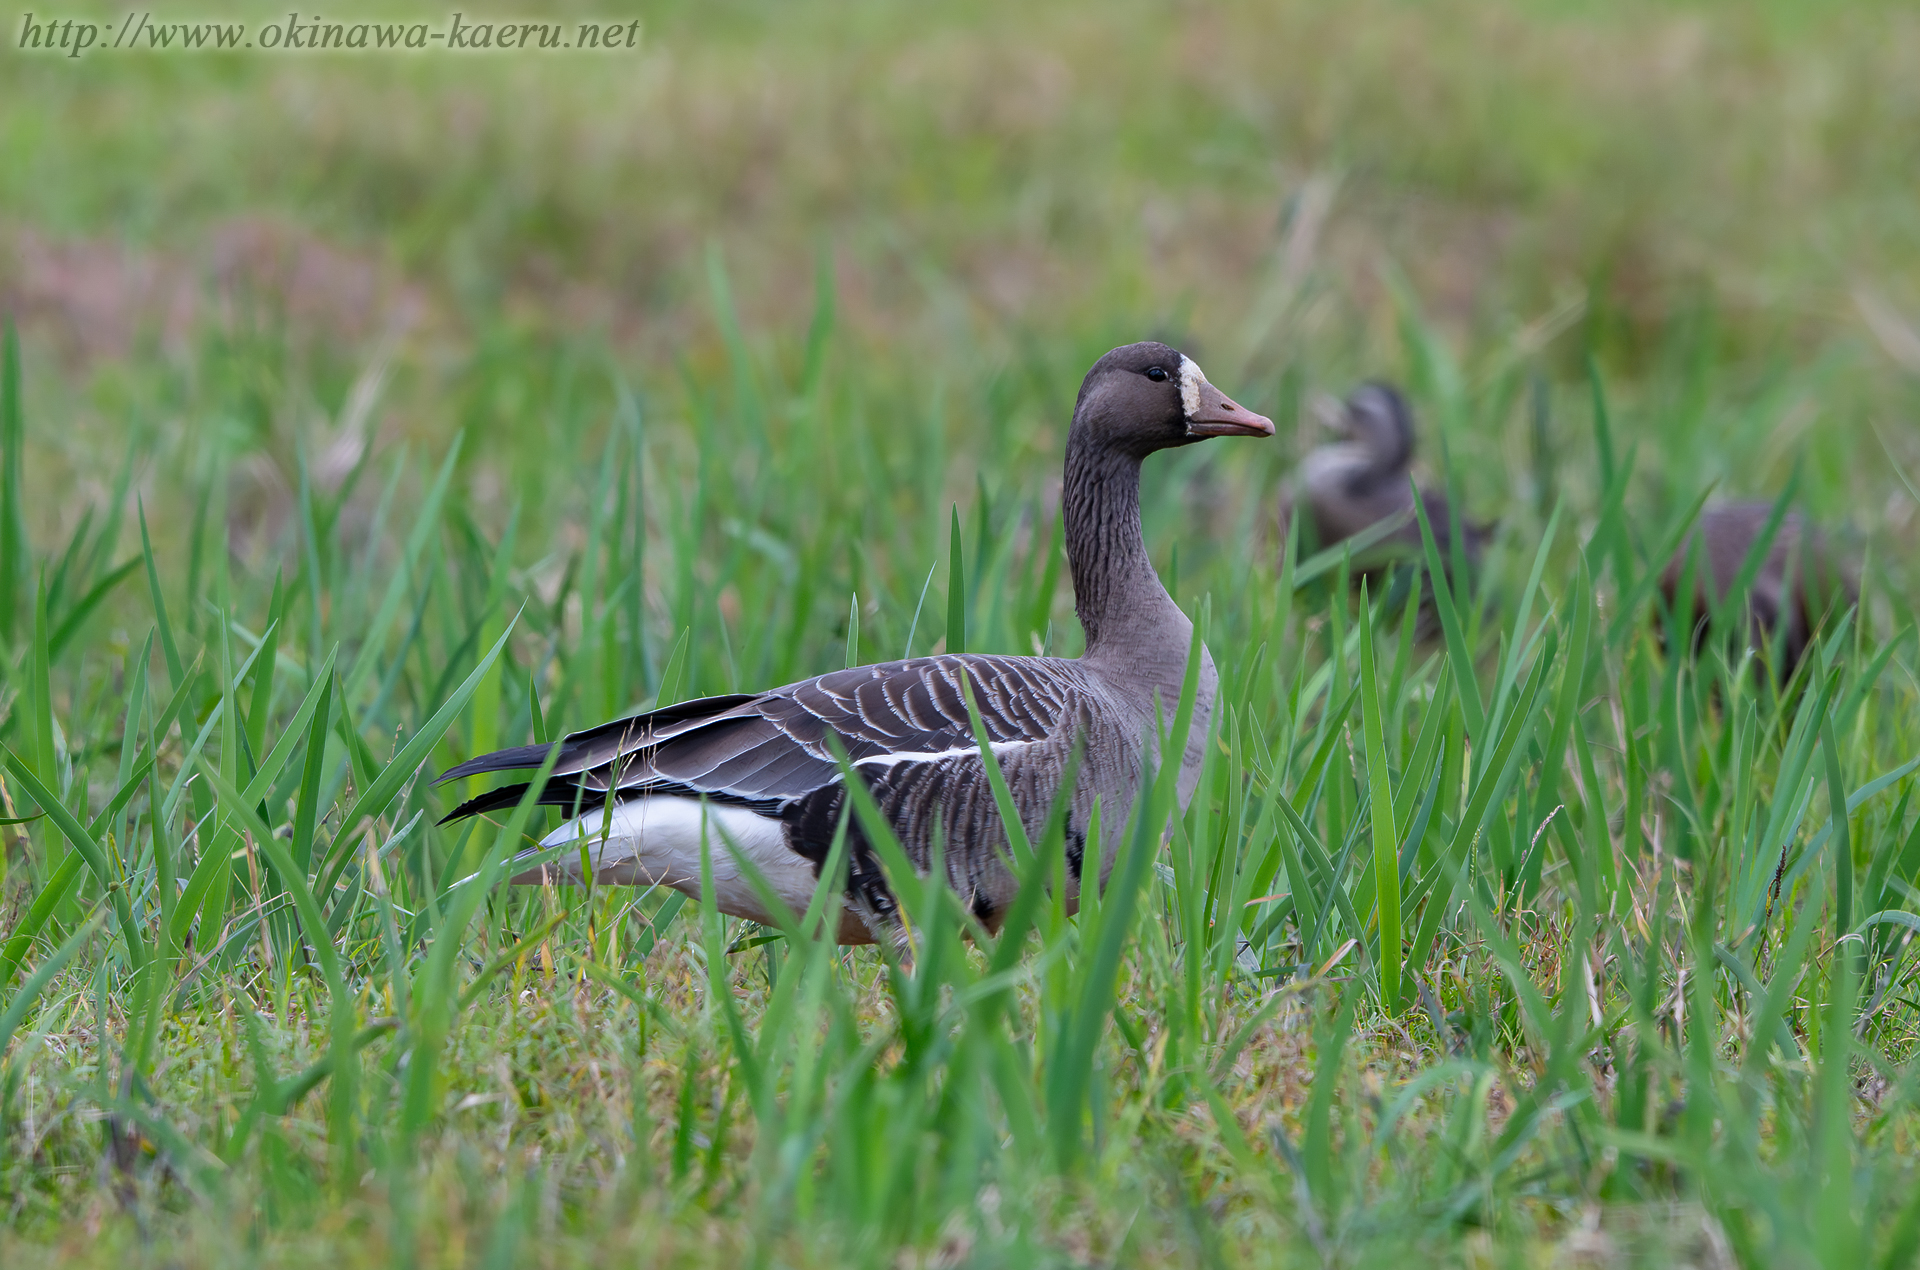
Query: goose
{"x": 1362, "y": 479}
{"x": 753, "y": 774}
{"x": 1800, "y": 578}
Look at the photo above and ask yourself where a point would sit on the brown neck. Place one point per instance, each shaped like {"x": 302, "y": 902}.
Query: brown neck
{"x": 1126, "y": 612}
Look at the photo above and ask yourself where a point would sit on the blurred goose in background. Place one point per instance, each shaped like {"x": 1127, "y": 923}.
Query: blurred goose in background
{"x": 1364, "y": 478}
{"x": 753, "y": 774}
{"x": 1799, "y": 581}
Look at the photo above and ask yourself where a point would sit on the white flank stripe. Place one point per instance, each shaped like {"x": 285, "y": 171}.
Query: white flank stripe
{"x": 930, "y": 756}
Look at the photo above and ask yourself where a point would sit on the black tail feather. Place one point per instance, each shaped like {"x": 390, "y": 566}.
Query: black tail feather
{"x": 520, "y": 756}
{"x": 556, "y": 794}
{"x": 577, "y": 801}
{"x": 595, "y": 746}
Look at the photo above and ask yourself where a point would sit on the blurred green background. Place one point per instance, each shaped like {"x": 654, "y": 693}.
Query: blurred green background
{"x": 1717, "y": 202}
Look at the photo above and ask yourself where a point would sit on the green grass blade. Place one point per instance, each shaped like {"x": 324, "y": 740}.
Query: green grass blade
{"x": 435, "y": 996}
{"x": 956, "y": 589}
{"x": 43, "y": 975}
{"x": 1010, "y": 821}
{"x": 293, "y": 733}
{"x": 1466, "y": 684}
{"x": 1842, "y": 841}
{"x": 83, "y": 608}
{"x": 673, "y": 685}
{"x": 1386, "y": 839}
{"x": 176, "y": 674}
{"x": 39, "y": 695}
{"x": 89, "y": 849}
{"x": 266, "y": 665}
{"x": 313, "y": 770}
{"x": 14, "y": 563}
{"x": 51, "y": 894}
{"x": 387, "y": 783}
{"x": 425, "y": 525}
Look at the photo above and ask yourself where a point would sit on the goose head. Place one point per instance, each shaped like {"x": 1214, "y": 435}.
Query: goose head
{"x": 1367, "y": 460}
{"x": 1379, "y": 422}
{"x": 1146, "y": 397}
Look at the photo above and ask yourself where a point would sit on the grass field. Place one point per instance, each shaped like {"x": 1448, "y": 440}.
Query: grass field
{"x": 364, "y": 414}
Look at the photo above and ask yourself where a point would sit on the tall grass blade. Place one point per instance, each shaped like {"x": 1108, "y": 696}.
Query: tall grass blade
{"x": 14, "y": 563}
{"x": 1386, "y": 839}
{"x": 386, "y": 785}
{"x": 83, "y": 841}
{"x": 956, "y": 589}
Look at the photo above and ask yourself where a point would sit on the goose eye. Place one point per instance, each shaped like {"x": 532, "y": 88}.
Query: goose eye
{"x": 1158, "y": 374}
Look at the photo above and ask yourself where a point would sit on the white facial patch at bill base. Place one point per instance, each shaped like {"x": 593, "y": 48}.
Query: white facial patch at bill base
{"x": 1191, "y": 377}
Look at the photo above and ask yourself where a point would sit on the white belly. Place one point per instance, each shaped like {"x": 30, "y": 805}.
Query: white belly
{"x": 656, "y": 841}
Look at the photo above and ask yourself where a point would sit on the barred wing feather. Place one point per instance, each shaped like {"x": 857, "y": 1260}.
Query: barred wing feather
{"x": 768, "y": 750}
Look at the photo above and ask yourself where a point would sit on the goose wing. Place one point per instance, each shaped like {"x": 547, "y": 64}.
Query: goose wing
{"x": 767, "y": 750}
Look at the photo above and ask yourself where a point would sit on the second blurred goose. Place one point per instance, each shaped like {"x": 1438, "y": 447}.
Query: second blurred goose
{"x": 1800, "y": 579}
{"x": 1362, "y": 479}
